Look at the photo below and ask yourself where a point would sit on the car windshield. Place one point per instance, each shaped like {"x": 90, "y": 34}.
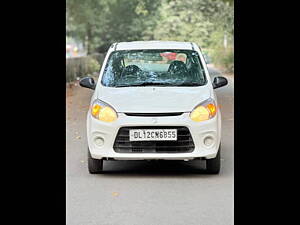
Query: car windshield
{"x": 153, "y": 68}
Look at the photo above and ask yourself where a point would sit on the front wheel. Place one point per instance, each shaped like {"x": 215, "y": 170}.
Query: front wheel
{"x": 213, "y": 165}
{"x": 94, "y": 165}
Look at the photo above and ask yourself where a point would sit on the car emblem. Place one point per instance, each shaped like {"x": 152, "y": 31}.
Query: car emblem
{"x": 154, "y": 120}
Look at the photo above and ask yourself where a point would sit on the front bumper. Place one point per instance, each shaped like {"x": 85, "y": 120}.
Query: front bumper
{"x": 108, "y": 132}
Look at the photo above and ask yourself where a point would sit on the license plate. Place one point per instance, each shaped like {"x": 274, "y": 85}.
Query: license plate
{"x": 153, "y": 135}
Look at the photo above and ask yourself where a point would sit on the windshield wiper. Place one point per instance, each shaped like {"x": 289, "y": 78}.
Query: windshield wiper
{"x": 189, "y": 84}
{"x": 144, "y": 84}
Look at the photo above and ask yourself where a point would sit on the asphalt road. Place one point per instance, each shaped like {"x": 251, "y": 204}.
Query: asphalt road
{"x": 147, "y": 193}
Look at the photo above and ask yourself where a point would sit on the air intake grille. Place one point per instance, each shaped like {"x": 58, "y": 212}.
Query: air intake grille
{"x": 154, "y": 114}
{"x": 183, "y": 144}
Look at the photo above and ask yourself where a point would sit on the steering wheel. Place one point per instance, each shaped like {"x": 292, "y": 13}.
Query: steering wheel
{"x": 132, "y": 70}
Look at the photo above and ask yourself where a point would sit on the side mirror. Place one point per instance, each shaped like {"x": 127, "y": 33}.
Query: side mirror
{"x": 219, "y": 82}
{"x": 87, "y": 82}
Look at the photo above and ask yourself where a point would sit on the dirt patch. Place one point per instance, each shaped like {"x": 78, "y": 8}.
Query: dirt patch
{"x": 70, "y": 88}
{"x": 77, "y": 100}
{"x": 231, "y": 75}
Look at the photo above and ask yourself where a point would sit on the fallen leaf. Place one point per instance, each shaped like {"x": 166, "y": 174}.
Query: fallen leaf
{"x": 82, "y": 161}
{"x": 78, "y": 137}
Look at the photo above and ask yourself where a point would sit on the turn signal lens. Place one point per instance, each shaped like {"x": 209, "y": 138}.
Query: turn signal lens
{"x": 204, "y": 111}
{"x": 103, "y": 111}
{"x": 212, "y": 109}
{"x": 95, "y": 110}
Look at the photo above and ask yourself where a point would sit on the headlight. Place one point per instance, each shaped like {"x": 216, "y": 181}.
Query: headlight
{"x": 204, "y": 111}
{"x": 102, "y": 111}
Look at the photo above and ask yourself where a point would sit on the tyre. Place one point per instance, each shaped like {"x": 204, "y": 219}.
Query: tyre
{"x": 94, "y": 165}
{"x": 213, "y": 165}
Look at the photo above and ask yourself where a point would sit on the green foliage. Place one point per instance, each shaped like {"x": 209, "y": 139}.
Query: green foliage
{"x": 99, "y": 57}
{"x": 228, "y": 60}
{"x": 99, "y": 23}
{"x": 224, "y": 58}
{"x": 204, "y": 22}
{"x": 179, "y": 22}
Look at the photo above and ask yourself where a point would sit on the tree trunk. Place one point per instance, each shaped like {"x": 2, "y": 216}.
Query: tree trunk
{"x": 89, "y": 39}
{"x": 225, "y": 41}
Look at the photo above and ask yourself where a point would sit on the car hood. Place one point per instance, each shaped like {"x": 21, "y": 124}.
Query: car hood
{"x": 153, "y": 99}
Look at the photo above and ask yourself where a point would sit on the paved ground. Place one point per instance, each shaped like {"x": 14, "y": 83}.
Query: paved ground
{"x": 147, "y": 193}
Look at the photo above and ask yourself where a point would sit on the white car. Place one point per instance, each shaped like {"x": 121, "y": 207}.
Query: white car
{"x": 154, "y": 100}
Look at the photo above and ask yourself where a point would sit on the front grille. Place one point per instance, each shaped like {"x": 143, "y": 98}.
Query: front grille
{"x": 183, "y": 144}
{"x": 154, "y": 114}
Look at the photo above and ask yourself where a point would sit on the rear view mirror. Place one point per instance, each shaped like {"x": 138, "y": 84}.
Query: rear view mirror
{"x": 87, "y": 82}
{"x": 219, "y": 82}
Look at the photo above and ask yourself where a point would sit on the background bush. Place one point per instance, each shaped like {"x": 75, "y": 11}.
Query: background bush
{"x": 99, "y": 57}
{"x": 224, "y": 58}
{"x": 81, "y": 67}
{"x": 96, "y": 24}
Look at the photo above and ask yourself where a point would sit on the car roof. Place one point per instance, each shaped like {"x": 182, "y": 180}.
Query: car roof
{"x": 137, "y": 45}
